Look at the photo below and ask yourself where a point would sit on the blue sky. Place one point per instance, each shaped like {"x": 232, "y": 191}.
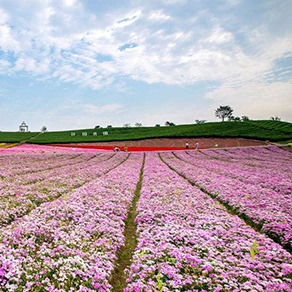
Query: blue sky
{"x": 69, "y": 64}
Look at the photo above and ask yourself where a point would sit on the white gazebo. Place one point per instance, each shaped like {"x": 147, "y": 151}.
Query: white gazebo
{"x": 23, "y": 127}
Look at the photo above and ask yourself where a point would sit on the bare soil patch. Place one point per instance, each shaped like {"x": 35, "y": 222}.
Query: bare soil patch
{"x": 204, "y": 143}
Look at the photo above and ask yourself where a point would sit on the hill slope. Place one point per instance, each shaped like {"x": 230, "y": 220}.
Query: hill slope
{"x": 261, "y": 130}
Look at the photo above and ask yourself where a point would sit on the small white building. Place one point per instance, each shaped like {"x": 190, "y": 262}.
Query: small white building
{"x": 23, "y": 127}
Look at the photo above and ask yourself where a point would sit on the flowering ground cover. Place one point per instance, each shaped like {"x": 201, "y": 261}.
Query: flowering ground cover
{"x": 188, "y": 242}
{"x": 16, "y": 166}
{"x": 255, "y": 156}
{"x": 70, "y": 244}
{"x": 66, "y": 217}
{"x": 22, "y": 193}
{"x": 276, "y": 176}
{"x": 264, "y": 197}
{"x": 34, "y": 148}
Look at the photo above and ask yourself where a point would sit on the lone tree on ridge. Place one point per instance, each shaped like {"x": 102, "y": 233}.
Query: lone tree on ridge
{"x": 223, "y": 112}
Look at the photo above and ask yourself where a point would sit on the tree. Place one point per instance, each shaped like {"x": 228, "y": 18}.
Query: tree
{"x": 233, "y": 119}
{"x": 127, "y": 125}
{"x": 157, "y": 125}
{"x": 44, "y": 129}
{"x": 167, "y": 123}
{"x": 223, "y": 112}
{"x": 245, "y": 118}
{"x": 138, "y": 125}
{"x": 97, "y": 127}
{"x": 200, "y": 121}
{"x": 275, "y": 118}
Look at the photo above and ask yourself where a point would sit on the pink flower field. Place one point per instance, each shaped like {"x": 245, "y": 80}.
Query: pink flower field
{"x": 212, "y": 220}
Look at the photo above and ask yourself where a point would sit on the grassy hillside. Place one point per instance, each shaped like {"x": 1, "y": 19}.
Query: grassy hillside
{"x": 15, "y": 137}
{"x": 261, "y": 130}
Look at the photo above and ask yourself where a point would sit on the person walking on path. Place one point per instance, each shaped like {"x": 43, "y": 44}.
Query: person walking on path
{"x": 197, "y": 146}
{"x": 187, "y": 145}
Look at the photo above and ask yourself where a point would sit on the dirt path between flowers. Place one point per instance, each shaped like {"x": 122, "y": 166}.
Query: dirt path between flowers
{"x": 125, "y": 253}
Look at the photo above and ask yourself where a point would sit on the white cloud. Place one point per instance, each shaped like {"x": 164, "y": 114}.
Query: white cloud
{"x": 158, "y": 15}
{"x": 7, "y": 41}
{"x": 31, "y": 65}
{"x": 4, "y": 66}
{"x": 70, "y": 2}
{"x": 63, "y": 40}
{"x": 173, "y": 42}
{"x": 4, "y": 17}
{"x": 219, "y": 36}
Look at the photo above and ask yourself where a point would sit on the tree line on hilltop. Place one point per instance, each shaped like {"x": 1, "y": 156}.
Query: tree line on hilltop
{"x": 222, "y": 112}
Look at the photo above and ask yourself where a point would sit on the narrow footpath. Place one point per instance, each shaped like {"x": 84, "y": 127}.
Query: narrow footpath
{"x": 125, "y": 253}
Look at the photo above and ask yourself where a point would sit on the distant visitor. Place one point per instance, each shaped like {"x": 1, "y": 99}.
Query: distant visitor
{"x": 116, "y": 149}
{"x": 187, "y": 145}
{"x": 197, "y": 145}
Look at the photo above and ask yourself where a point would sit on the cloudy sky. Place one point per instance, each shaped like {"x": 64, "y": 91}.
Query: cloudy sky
{"x": 70, "y": 64}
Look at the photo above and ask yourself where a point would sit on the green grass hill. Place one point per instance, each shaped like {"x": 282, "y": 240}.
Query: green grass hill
{"x": 274, "y": 131}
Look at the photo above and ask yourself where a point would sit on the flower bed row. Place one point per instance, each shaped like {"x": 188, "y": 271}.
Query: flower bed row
{"x": 16, "y": 160}
{"x": 19, "y": 198}
{"x": 34, "y": 148}
{"x": 269, "y": 210}
{"x": 19, "y": 164}
{"x": 189, "y": 242}
{"x": 44, "y": 169}
{"x": 276, "y": 179}
{"x": 70, "y": 244}
{"x": 270, "y": 154}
